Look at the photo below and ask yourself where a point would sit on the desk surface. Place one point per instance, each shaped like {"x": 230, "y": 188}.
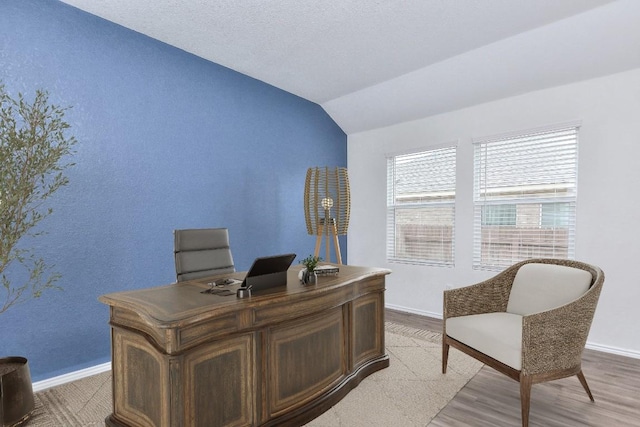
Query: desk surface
{"x": 172, "y": 305}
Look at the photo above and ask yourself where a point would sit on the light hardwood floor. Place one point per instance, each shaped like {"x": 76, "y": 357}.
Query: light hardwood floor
{"x": 491, "y": 399}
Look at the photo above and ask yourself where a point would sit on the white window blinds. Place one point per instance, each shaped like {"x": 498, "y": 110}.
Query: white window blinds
{"x": 525, "y": 197}
{"x": 421, "y": 189}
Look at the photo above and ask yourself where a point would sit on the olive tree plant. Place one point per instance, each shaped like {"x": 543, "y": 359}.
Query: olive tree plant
{"x": 34, "y": 147}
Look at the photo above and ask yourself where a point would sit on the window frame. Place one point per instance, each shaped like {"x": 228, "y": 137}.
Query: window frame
{"x": 439, "y": 202}
{"x": 553, "y": 146}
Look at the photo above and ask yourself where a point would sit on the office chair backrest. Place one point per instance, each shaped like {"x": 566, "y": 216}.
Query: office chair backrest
{"x": 202, "y": 252}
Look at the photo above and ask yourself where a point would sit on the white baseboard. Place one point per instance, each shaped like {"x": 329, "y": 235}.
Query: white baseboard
{"x": 414, "y": 311}
{"x": 590, "y": 346}
{"x": 613, "y": 350}
{"x": 71, "y": 376}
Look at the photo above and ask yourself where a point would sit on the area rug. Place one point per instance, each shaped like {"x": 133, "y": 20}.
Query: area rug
{"x": 81, "y": 403}
{"x": 410, "y": 392}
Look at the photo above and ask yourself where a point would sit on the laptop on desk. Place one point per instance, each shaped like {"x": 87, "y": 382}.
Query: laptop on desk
{"x": 268, "y": 272}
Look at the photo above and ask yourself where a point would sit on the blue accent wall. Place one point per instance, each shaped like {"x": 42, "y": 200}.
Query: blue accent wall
{"x": 166, "y": 140}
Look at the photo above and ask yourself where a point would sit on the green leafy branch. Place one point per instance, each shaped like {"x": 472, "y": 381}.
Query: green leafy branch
{"x": 311, "y": 262}
{"x": 33, "y": 146}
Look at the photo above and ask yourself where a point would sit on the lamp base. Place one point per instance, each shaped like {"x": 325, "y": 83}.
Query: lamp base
{"x": 336, "y": 243}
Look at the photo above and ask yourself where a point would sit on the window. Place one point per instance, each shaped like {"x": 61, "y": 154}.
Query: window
{"x": 499, "y": 215}
{"x": 421, "y": 190}
{"x": 525, "y": 197}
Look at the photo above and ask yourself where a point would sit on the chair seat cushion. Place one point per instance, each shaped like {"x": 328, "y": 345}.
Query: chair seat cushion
{"x": 498, "y": 335}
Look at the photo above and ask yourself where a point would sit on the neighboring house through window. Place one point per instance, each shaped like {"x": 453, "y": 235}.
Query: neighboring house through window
{"x": 525, "y": 189}
{"x": 421, "y": 190}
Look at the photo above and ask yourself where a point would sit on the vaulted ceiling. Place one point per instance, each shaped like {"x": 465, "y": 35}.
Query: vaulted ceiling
{"x": 373, "y": 63}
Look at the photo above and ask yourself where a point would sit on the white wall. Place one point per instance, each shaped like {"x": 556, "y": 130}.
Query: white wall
{"x": 608, "y": 220}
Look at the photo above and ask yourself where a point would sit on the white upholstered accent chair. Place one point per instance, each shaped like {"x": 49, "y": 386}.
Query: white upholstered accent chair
{"x": 202, "y": 252}
{"x": 529, "y": 322}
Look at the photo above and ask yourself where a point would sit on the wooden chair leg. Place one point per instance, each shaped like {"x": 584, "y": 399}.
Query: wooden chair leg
{"x": 525, "y": 398}
{"x": 583, "y": 381}
{"x": 445, "y": 355}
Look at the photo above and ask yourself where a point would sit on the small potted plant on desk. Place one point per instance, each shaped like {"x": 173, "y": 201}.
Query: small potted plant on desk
{"x": 309, "y": 274}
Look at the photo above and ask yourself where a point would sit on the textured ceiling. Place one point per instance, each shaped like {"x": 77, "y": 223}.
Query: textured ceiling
{"x": 372, "y": 63}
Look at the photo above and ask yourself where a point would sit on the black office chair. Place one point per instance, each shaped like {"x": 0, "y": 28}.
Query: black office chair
{"x": 202, "y": 252}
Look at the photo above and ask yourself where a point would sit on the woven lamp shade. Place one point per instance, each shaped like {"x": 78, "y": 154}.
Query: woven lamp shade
{"x": 327, "y": 200}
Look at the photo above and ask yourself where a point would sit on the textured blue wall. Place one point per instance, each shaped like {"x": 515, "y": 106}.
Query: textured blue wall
{"x": 166, "y": 140}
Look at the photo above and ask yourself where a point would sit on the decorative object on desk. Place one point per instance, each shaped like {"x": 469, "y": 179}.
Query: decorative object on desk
{"x": 309, "y": 274}
{"x": 218, "y": 291}
{"x": 327, "y": 204}
{"x": 327, "y": 270}
{"x": 243, "y": 292}
{"x": 33, "y": 146}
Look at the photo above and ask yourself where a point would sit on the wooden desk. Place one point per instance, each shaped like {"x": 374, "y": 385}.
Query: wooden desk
{"x": 184, "y": 358}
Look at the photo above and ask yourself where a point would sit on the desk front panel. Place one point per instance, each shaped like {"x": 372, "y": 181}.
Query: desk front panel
{"x": 368, "y": 328}
{"x": 141, "y": 383}
{"x": 305, "y": 359}
{"x": 219, "y": 383}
